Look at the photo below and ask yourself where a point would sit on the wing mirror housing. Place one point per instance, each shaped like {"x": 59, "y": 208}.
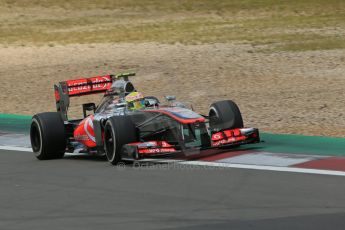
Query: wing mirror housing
{"x": 170, "y": 98}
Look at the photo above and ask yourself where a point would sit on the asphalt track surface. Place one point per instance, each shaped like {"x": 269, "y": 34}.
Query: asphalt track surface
{"x": 88, "y": 193}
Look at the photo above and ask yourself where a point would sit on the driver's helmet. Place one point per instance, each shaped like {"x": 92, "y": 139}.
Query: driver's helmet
{"x": 135, "y": 100}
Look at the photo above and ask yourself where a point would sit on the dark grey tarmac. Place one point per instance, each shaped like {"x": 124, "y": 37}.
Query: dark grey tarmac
{"x": 89, "y": 193}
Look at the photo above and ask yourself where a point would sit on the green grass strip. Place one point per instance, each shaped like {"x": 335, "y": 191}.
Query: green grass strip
{"x": 15, "y": 123}
{"x": 299, "y": 144}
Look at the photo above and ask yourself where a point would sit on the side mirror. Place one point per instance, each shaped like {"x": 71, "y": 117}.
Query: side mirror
{"x": 151, "y": 101}
{"x": 170, "y": 98}
{"x": 88, "y": 107}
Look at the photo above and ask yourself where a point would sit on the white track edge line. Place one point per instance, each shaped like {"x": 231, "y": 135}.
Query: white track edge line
{"x": 267, "y": 168}
{"x": 224, "y": 165}
{"x": 15, "y": 148}
{"x": 23, "y": 149}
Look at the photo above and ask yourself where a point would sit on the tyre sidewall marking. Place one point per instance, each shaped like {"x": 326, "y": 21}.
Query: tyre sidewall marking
{"x": 109, "y": 123}
{"x": 39, "y": 152}
{"x": 215, "y": 111}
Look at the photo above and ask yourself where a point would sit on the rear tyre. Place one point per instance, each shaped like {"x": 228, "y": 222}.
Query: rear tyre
{"x": 48, "y": 136}
{"x": 118, "y": 131}
{"x": 225, "y": 115}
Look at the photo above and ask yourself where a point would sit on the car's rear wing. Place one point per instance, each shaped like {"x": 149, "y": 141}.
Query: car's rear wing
{"x": 83, "y": 86}
{"x": 87, "y": 86}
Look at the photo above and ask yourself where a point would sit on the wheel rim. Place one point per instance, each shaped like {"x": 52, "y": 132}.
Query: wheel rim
{"x": 36, "y": 137}
{"x": 213, "y": 117}
{"x": 110, "y": 143}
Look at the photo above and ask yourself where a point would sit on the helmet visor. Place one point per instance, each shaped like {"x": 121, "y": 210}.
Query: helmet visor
{"x": 138, "y": 104}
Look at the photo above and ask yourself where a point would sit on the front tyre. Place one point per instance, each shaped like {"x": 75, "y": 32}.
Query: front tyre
{"x": 225, "y": 115}
{"x": 48, "y": 136}
{"x": 118, "y": 131}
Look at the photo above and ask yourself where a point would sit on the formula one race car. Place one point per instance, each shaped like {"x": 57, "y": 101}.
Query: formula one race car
{"x": 127, "y": 126}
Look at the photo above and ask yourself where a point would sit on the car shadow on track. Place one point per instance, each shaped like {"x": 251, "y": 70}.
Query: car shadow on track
{"x": 155, "y": 161}
{"x": 86, "y": 158}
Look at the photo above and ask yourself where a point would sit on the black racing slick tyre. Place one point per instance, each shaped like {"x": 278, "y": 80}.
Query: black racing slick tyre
{"x": 118, "y": 131}
{"x": 225, "y": 115}
{"x": 48, "y": 136}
